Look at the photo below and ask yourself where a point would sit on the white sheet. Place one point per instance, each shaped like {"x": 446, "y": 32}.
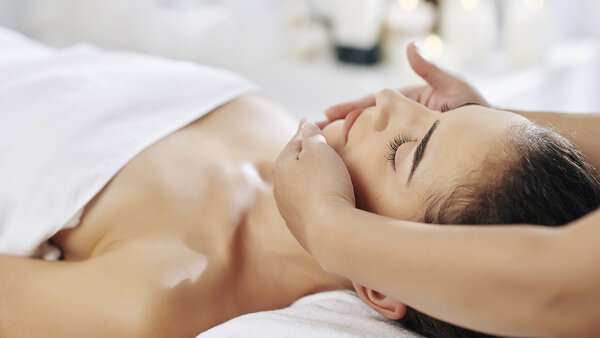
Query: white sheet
{"x": 333, "y": 314}
{"x": 71, "y": 119}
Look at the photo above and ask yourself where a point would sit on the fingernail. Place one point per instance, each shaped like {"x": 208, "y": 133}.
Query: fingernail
{"x": 421, "y": 54}
{"x": 302, "y": 122}
{"x": 418, "y": 49}
{"x": 309, "y": 127}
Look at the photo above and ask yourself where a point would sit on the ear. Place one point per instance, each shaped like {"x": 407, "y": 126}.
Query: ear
{"x": 388, "y": 307}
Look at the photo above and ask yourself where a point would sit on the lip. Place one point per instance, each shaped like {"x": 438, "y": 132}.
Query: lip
{"x": 349, "y": 122}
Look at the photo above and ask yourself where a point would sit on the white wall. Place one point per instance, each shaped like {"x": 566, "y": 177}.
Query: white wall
{"x": 200, "y": 30}
{"x": 249, "y": 36}
{"x": 11, "y": 13}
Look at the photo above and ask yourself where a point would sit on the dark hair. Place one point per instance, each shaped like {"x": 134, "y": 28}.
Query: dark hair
{"x": 543, "y": 179}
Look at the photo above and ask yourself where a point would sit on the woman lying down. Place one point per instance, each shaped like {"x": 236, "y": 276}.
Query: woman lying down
{"x": 153, "y": 178}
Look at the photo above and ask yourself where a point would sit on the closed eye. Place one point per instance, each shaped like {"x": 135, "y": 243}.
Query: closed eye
{"x": 393, "y": 146}
{"x": 445, "y": 107}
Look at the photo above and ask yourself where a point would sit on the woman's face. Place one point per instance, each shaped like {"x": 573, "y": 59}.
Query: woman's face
{"x": 399, "y": 153}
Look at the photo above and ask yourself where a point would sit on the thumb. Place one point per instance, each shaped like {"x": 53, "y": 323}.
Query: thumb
{"x": 435, "y": 76}
{"x": 311, "y": 131}
{"x": 312, "y": 136}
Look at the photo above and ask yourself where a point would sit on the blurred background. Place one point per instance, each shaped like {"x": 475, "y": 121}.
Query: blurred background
{"x": 309, "y": 54}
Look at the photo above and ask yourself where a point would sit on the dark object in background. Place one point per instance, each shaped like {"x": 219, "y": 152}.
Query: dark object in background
{"x": 357, "y": 55}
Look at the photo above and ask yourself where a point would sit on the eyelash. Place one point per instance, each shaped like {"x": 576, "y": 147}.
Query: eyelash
{"x": 393, "y": 148}
{"x": 445, "y": 107}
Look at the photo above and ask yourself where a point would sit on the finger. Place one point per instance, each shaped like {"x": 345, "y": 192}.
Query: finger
{"x": 312, "y": 137}
{"x": 356, "y": 111}
{"x": 309, "y": 130}
{"x": 341, "y": 110}
{"x": 412, "y": 92}
{"x": 435, "y": 76}
{"x": 293, "y": 148}
{"x": 323, "y": 124}
{"x": 426, "y": 97}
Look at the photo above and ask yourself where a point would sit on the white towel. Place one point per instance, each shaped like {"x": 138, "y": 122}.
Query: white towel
{"x": 71, "y": 119}
{"x": 333, "y": 314}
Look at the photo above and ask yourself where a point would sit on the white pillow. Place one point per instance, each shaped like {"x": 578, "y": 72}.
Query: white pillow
{"x": 327, "y": 314}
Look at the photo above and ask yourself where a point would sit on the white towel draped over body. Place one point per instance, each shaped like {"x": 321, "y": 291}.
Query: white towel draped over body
{"x": 70, "y": 119}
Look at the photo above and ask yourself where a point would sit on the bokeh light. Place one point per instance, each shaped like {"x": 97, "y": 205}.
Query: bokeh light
{"x": 433, "y": 46}
{"x": 469, "y": 4}
{"x": 408, "y": 5}
{"x": 535, "y": 5}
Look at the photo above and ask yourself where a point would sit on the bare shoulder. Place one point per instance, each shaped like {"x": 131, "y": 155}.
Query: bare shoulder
{"x": 250, "y": 123}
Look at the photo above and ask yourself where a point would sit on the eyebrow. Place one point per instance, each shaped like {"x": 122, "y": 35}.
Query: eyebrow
{"x": 420, "y": 151}
{"x": 467, "y": 104}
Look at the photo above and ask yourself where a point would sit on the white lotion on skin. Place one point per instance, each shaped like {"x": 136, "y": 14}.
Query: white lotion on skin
{"x": 249, "y": 183}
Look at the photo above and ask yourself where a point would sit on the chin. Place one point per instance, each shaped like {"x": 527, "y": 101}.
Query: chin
{"x": 334, "y": 135}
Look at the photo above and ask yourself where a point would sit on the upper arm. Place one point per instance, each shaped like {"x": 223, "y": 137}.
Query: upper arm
{"x": 572, "y": 307}
{"x": 129, "y": 291}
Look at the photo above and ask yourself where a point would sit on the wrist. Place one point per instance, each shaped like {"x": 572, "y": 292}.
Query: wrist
{"x": 325, "y": 230}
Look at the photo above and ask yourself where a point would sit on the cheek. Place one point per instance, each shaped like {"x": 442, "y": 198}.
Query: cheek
{"x": 367, "y": 168}
{"x": 376, "y": 187}
{"x": 360, "y": 157}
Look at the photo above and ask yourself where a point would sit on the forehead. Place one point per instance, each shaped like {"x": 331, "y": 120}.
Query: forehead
{"x": 464, "y": 138}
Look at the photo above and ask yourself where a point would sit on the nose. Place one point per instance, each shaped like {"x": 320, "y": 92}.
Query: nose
{"x": 389, "y": 102}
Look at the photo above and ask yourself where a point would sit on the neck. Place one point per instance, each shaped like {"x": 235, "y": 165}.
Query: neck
{"x": 272, "y": 261}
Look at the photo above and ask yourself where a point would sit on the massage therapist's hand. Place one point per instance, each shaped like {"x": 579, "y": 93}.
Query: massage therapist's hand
{"x": 442, "y": 89}
{"x": 311, "y": 182}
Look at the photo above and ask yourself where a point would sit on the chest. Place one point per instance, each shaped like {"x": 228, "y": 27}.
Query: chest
{"x": 197, "y": 183}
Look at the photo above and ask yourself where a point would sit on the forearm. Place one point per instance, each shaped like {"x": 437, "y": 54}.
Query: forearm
{"x": 495, "y": 279}
{"x": 582, "y": 129}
